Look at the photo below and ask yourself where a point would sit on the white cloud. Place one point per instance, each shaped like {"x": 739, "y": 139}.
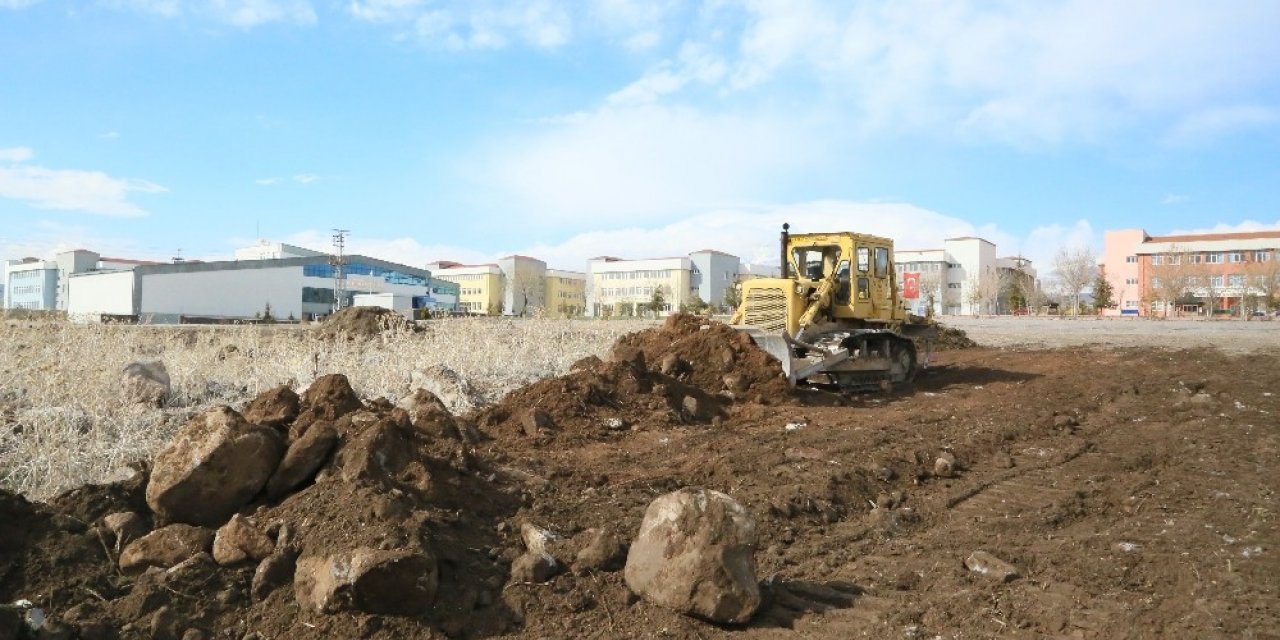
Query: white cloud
{"x": 69, "y": 189}
{"x": 16, "y": 154}
{"x": 472, "y": 24}
{"x": 305, "y": 178}
{"x": 1208, "y": 124}
{"x": 647, "y": 162}
{"x": 1044, "y": 241}
{"x": 245, "y": 14}
{"x": 1173, "y": 198}
{"x": 46, "y": 238}
{"x": 1222, "y": 227}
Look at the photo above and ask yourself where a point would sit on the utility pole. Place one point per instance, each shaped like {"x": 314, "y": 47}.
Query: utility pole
{"x": 339, "y": 277}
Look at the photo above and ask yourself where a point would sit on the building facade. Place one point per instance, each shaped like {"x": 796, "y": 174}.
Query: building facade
{"x": 480, "y": 286}
{"x": 297, "y": 288}
{"x": 963, "y": 277}
{"x": 31, "y": 284}
{"x": 566, "y": 293}
{"x": 711, "y": 273}
{"x": 1206, "y": 274}
{"x": 618, "y": 287}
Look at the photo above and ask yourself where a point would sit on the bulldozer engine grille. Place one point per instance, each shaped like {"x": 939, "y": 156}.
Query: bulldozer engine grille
{"x": 767, "y": 309}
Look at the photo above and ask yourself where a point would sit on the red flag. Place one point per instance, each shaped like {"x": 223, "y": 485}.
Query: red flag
{"x": 910, "y": 286}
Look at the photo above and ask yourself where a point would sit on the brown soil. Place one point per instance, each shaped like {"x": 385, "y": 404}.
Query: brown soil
{"x": 1133, "y": 490}
{"x": 364, "y": 322}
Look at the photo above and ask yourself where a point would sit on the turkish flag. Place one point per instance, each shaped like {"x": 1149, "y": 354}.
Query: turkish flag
{"x": 910, "y": 286}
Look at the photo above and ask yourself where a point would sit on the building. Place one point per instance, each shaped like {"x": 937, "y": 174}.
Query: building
{"x": 31, "y": 284}
{"x": 266, "y": 250}
{"x": 515, "y": 286}
{"x": 963, "y": 277}
{"x": 711, "y": 274}
{"x": 288, "y": 287}
{"x": 566, "y": 293}
{"x": 618, "y": 287}
{"x": 1205, "y": 273}
{"x": 752, "y": 270}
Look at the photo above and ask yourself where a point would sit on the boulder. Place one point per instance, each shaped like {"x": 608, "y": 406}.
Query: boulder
{"x": 123, "y": 527}
{"x": 602, "y": 552}
{"x": 445, "y": 383}
{"x": 165, "y": 547}
{"x": 399, "y": 582}
{"x": 328, "y": 398}
{"x": 238, "y": 541}
{"x": 273, "y": 572}
{"x": 215, "y": 465}
{"x": 303, "y": 459}
{"x": 381, "y": 454}
{"x": 534, "y": 568}
{"x": 428, "y": 414}
{"x": 695, "y": 554}
{"x": 146, "y": 382}
{"x": 273, "y": 408}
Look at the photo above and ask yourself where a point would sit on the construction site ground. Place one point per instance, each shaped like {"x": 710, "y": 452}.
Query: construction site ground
{"x": 1133, "y": 488}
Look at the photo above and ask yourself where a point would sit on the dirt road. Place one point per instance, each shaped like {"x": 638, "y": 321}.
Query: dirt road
{"x": 1234, "y": 336}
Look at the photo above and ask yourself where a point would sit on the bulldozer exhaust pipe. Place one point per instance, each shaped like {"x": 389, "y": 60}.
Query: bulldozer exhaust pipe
{"x": 782, "y": 248}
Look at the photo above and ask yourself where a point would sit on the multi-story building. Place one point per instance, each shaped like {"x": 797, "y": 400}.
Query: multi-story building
{"x": 711, "y": 273}
{"x": 480, "y": 286}
{"x": 1201, "y": 273}
{"x": 31, "y": 284}
{"x": 964, "y": 277}
{"x": 618, "y": 287}
{"x": 526, "y": 285}
{"x": 566, "y": 293}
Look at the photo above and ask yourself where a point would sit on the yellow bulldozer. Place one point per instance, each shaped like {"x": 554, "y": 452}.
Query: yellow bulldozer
{"x": 835, "y": 317}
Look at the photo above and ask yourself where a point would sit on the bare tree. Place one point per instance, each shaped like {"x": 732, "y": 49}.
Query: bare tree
{"x": 931, "y": 282}
{"x": 1263, "y": 278}
{"x": 525, "y": 287}
{"x": 1171, "y": 278}
{"x": 985, "y": 288}
{"x": 1075, "y": 269}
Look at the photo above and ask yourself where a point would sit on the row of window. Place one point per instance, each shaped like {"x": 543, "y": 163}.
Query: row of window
{"x": 464, "y": 276}
{"x": 471, "y": 291}
{"x": 1211, "y": 257}
{"x": 921, "y": 266}
{"x": 612, "y": 292}
{"x": 27, "y": 275}
{"x": 643, "y": 274}
{"x": 1231, "y": 280}
{"x": 27, "y": 290}
{"x": 390, "y": 276}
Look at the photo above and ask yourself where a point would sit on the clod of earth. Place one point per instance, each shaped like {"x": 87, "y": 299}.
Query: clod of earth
{"x": 695, "y": 553}
{"x": 398, "y": 582}
{"x": 146, "y": 382}
{"x": 273, "y": 408}
{"x": 987, "y": 565}
{"x": 239, "y": 541}
{"x": 215, "y": 464}
{"x": 165, "y": 547}
{"x": 303, "y": 459}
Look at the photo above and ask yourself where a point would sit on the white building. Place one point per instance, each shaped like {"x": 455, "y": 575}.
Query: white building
{"x": 617, "y": 287}
{"x": 44, "y": 285}
{"x": 952, "y": 276}
{"x": 290, "y": 287}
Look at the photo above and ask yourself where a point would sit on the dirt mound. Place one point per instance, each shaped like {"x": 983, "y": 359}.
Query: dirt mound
{"x": 950, "y": 339}
{"x": 364, "y": 322}
{"x": 688, "y": 371}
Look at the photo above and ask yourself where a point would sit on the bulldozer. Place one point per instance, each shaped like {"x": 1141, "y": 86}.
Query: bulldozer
{"x": 835, "y": 318}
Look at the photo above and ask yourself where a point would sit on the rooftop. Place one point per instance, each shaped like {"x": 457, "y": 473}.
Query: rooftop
{"x": 1202, "y": 237}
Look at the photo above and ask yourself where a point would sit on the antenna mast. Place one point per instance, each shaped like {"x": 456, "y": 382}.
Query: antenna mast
{"x": 339, "y": 277}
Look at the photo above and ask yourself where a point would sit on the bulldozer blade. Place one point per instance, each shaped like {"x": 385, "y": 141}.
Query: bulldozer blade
{"x": 776, "y": 345}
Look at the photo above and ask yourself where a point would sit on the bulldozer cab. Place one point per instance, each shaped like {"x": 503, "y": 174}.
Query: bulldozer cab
{"x": 859, "y": 266}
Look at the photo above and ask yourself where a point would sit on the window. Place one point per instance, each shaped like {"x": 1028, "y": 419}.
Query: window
{"x": 1236, "y": 257}
{"x": 1131, "y": 281}
{"x": 864, "y": 259}
{"x": 1131, "y": 304}
{"x": 882, "y": 262}
{"x": 953, "y": 285}
{"x": 1157, "y": 260}
{"x": 1195, "y": 258}
{"x": 1131, "y": 259}
{"x": 1235, "y": 280}
{"x": 1155, "y": 283}
{"x": 1193, "y": 281}
{"x": 1175, "y": 259}
{"x": 1215, "y": 281}
{"x": 1262, "y": 256}
{"x": 1214, "y": 257}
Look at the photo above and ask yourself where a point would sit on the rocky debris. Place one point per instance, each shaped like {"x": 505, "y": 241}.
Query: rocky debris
{"x": 615, "y": 424}
{"x": 239, "y": 541}
{"x": 695, "y": 554}
{"x": 428, "y": 414}
{"x": 303, "y": 459}
{"x": 329, "y": 398}
{"x": 445, "y": 383}
{"x": 945, "y": 465}
{"x": 365, "y": 322}
{"x": 536, "y": 422}
{"x": 987, "y": 565}
{"x": 123, "y": 527}
{"x": 165, "y": 547}
{"x": 215, "y": 464}
{"x": 275, "y": 571}
{"x": 398, "y": 582}
{"x": 536, "y": 564}
{"x": 274, "y": 407}
{"x": 381, "y": 454}
{"x": 146, "y": 382}
{"x": 949, "y": 339}
{"x": 736, "y": 382}
{"x": 602, "y": 552}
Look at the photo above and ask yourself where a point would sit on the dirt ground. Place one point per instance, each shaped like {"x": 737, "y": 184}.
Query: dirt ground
{"x": 1232, "y": 335}
{"x": 1134, "y": 490}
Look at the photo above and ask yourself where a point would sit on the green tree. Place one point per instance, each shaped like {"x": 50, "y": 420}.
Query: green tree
{"x": 732, "y": 297}
{"x": 658, "y": 303}
{"x": 1103, "y": 296}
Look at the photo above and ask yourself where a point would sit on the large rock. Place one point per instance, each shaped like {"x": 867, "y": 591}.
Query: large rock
{"x": 695, "y": 554}
{"x": 165, "y": 547}
{"x": 239, "y": 541}
{"x": 146, "y": 382}
{"x": 275, "y": 571}
{"x": 214, "y": 465}
{"x": 445, "y": 383}
{"x": 328, "y": 398}
{"x": 303, "y": 459}
{"x": 429, "y": 414}
{"x": 273, "y": 408}
{"x": 401, "y": 582}
{"x": 382, "y": 454}
{"x": 123, "y": 527}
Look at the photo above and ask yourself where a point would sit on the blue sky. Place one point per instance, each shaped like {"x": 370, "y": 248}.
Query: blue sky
{"x": 474, "y": 129}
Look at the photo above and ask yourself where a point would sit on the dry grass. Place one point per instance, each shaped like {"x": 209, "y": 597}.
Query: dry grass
{"x": 64, "y": 420}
